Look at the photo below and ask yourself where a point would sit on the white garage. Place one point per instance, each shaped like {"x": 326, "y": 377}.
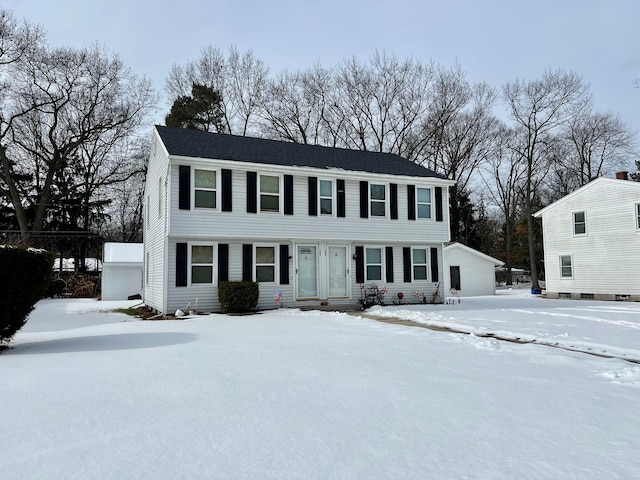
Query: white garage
{"x": 122, "y": 270}
{"x": 470, "y": 272}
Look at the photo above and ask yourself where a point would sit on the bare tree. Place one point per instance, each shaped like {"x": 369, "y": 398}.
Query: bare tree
{"x": 539, "y": 108}
{"x": 71, "y": 109}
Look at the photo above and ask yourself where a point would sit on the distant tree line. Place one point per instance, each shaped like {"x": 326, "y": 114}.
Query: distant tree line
{"x": 74, "y": 134}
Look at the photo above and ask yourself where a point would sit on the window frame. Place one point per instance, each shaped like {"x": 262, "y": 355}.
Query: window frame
{"x": 562, "y": 267}
{"x": 216, "y": 189}
{"x": 280, "y": 193}
{"x": 385, "y": 202}
{"x": 160, "y": 202}
{"x": 324, "y": 197}
{"x": 214, "y": 280}
{"x": 425, "y": 265}
{"x": 638, "y": 216}
{"x": 575, "y": 223}
{"x": 276, "y": 264}
{"x": 367, "y": 264}
{"x": 418, "y": 203}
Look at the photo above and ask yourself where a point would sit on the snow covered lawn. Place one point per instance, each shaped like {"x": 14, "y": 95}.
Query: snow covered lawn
{"x": 86, "y": 394}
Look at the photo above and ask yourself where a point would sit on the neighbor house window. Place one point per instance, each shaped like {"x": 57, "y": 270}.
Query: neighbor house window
{"x": 419, "y": 264}
{"x": 423, "y": 199}
{"x": 265, "y": 263}
{"x": 566, "y": 270}
{"x": 373, "y": 260}
{"x": 378, "y": 200}
{"x": 206, "y": 184}
{"x": 269, "y": 193}
{"x": 326, "y": 197}
{"x": 638, "y": 216}
{"x": 201, "y": 263}
{"x": 579, "y": 223}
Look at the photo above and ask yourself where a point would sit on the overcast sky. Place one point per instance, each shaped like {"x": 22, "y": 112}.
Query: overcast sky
{"x": 495, "y": 41}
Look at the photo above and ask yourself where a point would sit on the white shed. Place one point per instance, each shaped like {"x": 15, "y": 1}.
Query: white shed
{"x": 470, "y": 272}
{"x": 122, "y": 270}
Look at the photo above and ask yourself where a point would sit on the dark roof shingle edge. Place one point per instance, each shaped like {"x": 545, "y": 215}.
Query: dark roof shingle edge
{"x": 195, "y": 143}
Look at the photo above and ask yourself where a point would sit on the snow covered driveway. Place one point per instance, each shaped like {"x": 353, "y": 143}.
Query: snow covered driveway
{"x": 315, "y": 395}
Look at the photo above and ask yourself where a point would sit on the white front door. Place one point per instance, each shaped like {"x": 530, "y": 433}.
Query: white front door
{"x": 338, "y": 274}
{"x": 322, "y": 271}
{"x": 307, "y": 271}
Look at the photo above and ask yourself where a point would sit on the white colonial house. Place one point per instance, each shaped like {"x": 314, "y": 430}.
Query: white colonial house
{"x": 592, "y": 242}
{"x": 470, "y": 272}
{"x": 311, "y": 224}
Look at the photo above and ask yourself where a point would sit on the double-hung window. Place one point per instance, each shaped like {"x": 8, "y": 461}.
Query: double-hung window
{"x": 420, "y": 264}
{"x": 373, "y": 260}
{"x": 378, "y": 199}
{"x": 566, "y": 267}
{"x": 423, "y": 200}
{"x": 265, "y": 263}
{"x": 201, "y": 264}
{"x": 206, "y": 188}
{"x": 269, "y": 193}
{"x": 579, "y": 223}
{"x": 326, "y": 197}
{"x": 638, "y": 216}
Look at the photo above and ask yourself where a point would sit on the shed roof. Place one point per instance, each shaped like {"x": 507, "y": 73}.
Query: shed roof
{"x": 123, "y": 252}
{"x": 198, "y": 144}
{"x": 483, "y": 256}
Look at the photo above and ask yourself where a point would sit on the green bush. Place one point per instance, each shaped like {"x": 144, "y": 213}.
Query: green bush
{"x": 25, "y": 274}
{"x": 237, "y": 297}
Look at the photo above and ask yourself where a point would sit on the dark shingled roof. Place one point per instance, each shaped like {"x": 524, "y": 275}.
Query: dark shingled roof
{"x": 195, "y": 143}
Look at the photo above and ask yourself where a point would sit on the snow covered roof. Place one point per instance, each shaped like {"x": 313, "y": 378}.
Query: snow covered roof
{"x": 456, "y": 245}
{"x": 123, "y": 252}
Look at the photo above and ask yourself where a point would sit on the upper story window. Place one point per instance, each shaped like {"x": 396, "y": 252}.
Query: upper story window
{"x": 638, "y": 216}
{"x": 420, "y": 264}
{"x": 269, "y": 193}
{"x": 579, "y": 223}
{"x": 378, "y": 199}
{"x": 265, "y": 263}
{"x": 326, "y": 197}
{"x": 201, "y": 264}
{"x": 566, "y": 267}
{"x": 205, "y": 188}
{"x": 373, "y": 261}
{"x": 423, "y": 199}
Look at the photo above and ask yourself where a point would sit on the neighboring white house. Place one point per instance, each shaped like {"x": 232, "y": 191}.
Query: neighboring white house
{"x": 592, "y": 242}
{"x": 470, "y": 272}
{"x": 311, "y": 224}
{"x": 122, "y": 270}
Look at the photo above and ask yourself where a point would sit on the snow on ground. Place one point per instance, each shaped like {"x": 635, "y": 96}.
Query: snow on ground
{"x": 87, "y": 394}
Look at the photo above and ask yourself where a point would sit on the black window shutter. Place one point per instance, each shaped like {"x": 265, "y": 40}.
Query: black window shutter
{"x": 438, "y": 204}
{"x": 223, "y": 262}
{"x": 184, "y": 187}
{"x": 411, "y": 201}
{"x": 388, "y": 258}
{"x": 284, "y": 264}
{"x": 247, "y": 262}
{"x": 434, "y": 265}
{"x": 181, "y": 264}
{"x": 360, "y": 264}
{"x": 226, "y": 191}
{"x": 252, "y": 196}
{"x": 288, "y": 194}
{"x": 341, "y": 199}
{"x": 406, "y": 264}
{"x": 364, "y": 199}
{"x": 393, "y": 202}
{"x": 313, "y": 196}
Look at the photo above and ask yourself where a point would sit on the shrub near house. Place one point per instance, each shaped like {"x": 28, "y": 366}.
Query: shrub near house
{"x": 26, "y": 273}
